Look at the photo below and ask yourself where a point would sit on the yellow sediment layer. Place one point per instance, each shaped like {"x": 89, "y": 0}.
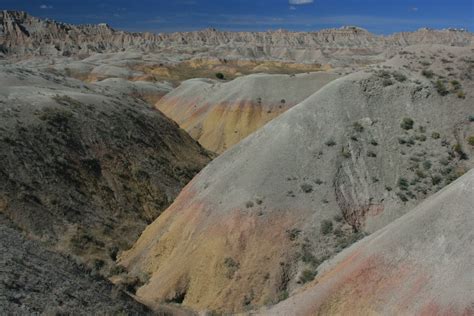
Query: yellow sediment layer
{"x": 219, "y": 126}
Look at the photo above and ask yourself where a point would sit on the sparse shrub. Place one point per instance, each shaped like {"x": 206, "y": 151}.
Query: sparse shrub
{"x": 232, "y": 266}
{"x": 402, "y": 197}
{"x": 388, "y": 188}
{"x": 461, "y": 94}
{"x": 427, "y": 164}
{"x": 293, "y": 234}
{"x": 427, "y": 73}
{"x": 371, "y": 154}
{"x": 307, "y": 188}
{"x": 399, "y": 76}
{"x": 318, "y": 181}
{"x": 307, "y": 276}
{"x": 403, "y": 184}
{"x": 471, "y": 118}
{"x": 330, "y": 142}
{"x": 384, "y": 74}
{"x": 421, "y": 138}
{"x": 435, "y": 135}
{"x": 326, "y": 227}
{"x": 338, "y": 218}
{"x": 458, "y": 149}
{"x": 117, "y": 269}
{"x": 249, "y": 204}
{"x": 407, "y": 123}
{"x": 220, "y": 76}
{"x": 358, "y": 127}
{"x": 436, "y": 179}
{"x": 345, "y": 152}
{"x": 283, "y": 101}
{"x": 283, "y": 295}
{"x": 387, "y": 82}
{"x": 441, "y": 88}
{"x": 470, "y": 140}
{"x": 420, "y": 174}
{"x": 338, "y": 232}
{"x": 373, "y": 142}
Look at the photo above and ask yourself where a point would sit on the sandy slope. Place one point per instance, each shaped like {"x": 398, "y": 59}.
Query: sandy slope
{"x": 420, "y": 264}
{"x": 220, "y": 114}
{"x": 242, "y": 233}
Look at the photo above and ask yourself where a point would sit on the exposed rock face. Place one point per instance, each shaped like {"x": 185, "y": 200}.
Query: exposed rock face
{"x": 22, "y": 34}
{"x": 83, "y": 168}
{"x": 350, "y": 159}
{"x": 420, "y": 264}
{"x": 219, "y": 115}
{"x": 34, "y": 280}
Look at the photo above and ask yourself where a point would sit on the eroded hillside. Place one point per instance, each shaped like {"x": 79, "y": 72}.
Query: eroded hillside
{"x": 85, "y": 169}
{"x": 219, "y": 114}
{"x": 420, "y": 264}
{"x": 257, "y": 222}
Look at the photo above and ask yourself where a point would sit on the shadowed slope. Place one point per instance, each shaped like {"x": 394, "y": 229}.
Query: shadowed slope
{"x": 419, "y": 265}
{"x": 83, "y": 168}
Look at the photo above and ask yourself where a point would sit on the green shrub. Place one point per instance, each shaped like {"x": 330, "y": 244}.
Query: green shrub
{"x": 220, "y": 76}
{"x": 407, "y": 123}
{"x": 330, "y": 142}
{"x": 308, "y": 276}
{"x": 470, "y": 140}
{"x": 358, "y": 127}
{"x": 387, "y": 82}
{"x": 399, "y": 76}
{"x": 427, "y": 164}
{"x": 461, "y": 94}
{"x": 441, "y": 88}
{"x": 402, "y": 197}
{"x": 326, "y": 227}
{"x": 435, "y": 135}
{"x": 232, "y": 266}
{"x": 436, "y": 179}
{"x": 403, "y": 184}
{"x": 427, "y": 73}
{"x": 307, "y": 188}
{"x": 371, "y": 154}
{"x": 471, "y": 118}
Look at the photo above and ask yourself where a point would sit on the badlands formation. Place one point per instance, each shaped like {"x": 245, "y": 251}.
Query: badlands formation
{"x": 257, "y": 222}
{"x": 343, "y": 183}
{"x": 220, "y": 114}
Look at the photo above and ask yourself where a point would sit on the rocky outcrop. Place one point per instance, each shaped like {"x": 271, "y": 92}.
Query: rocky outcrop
{"x": 257, "y": 222}
{"x": 23, "y": 35}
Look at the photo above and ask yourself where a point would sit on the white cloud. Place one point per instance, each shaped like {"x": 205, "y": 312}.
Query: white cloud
{"x": 414, "y": 9}
{"x": 45, "y": 6}
{"x": 300, "y": 2}
{"x": 292, "y": 7}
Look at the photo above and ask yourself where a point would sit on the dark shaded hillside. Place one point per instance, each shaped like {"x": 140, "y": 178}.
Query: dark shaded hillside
{"x": 83, "y": 171}
{"x": 34, "y": 280}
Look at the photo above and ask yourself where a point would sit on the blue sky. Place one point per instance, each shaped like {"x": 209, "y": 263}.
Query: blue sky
{"x": 378, "y": 16}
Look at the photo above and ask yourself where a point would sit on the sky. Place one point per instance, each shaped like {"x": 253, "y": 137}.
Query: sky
{"x": 378, "y": 16}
